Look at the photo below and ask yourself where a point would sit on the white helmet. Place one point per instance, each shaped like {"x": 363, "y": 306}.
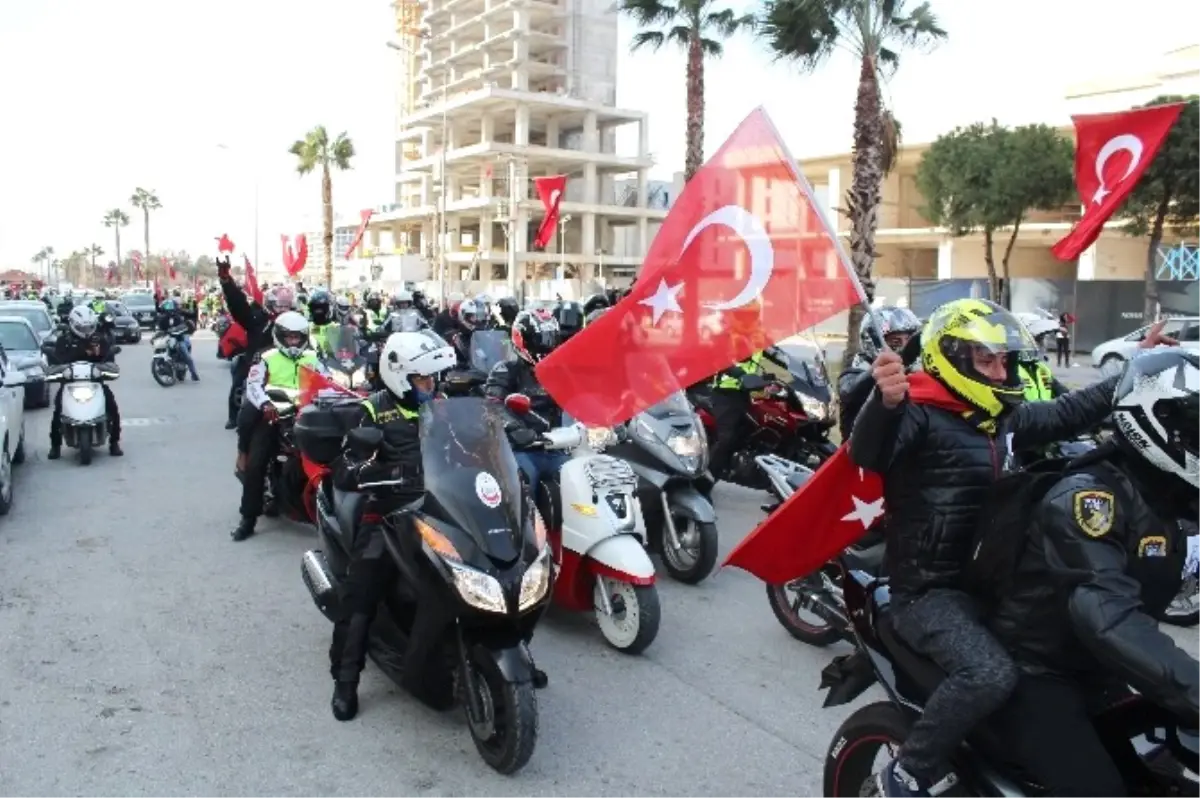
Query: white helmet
{"x": 291, "y": 333}
{"x": 455, "y": 296}
{"x": 1156, "y": 407}
{"x": 82, "y": 321}
{"x": 406, "y": 354}
{"x": 402, "y": 296}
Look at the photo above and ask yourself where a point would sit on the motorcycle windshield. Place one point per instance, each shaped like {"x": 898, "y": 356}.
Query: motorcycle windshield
{"x": 674, "y": 405}
{"x": 808, "y": 379}
{"x": 341, "y": 344}
{"x": 406, "y": 321}
{"x": 489, "y": 347}
{"x": 471, "y": 476}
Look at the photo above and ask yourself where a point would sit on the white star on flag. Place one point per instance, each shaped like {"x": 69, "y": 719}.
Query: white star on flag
{"x": 865, "y": 512}
{"x": 663, "y": 300}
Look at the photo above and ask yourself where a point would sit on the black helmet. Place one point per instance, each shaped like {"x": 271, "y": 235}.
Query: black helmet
{"x": 320, "y": 307}
{"x": 569, "y": 316}
{"x": 508, "y": 309}
{"x": 534, "y": 335}
{"x": 593, "y": 303}
{"x": 1155, "y": 411}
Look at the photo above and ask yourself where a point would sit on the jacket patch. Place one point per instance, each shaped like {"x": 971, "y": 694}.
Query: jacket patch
{"x": 1094, "y": 512}
{"x": 1152, "y": 546}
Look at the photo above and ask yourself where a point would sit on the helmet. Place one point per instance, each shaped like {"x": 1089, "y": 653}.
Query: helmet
{"x": 341, "y": 308}
{"x": 167, "y": 305}
{"x": 595, "y": 314}
{"x": 593, "y": 303}
{"x": 958, "y": 332}
{"x": 413, "y": 354}
{"x": 893, "y": 320}
{"x": 534, "y": 335}
{"x": 455, "y": 296}
{"x": 402, "y": 300}
{"x": 291, "y": 333}
{"x": 284, "y": 298}
{"x": 509, "y": 309}
{"x": 569, "y": 316}
{"x": 1155, "y": 409}
{"x": 470, "y": 314}
{"x": 320, "y": 307}
{"x": 373, "y": 301}
{"x": 82, "y": 321}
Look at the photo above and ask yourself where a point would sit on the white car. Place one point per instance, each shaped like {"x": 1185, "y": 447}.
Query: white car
{"x": 1110, "y": 356}
{"x": 12, "y": 425}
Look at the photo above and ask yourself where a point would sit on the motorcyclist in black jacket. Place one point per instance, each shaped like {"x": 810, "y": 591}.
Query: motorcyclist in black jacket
{"x": 508, "y": 308}
{"x": 172, "y": 316}
{"x": 257, "y": 320}
{"x": 897, "y": 325}
{"x": 409, "y": 374}
{"x": 937, "y": 463}
{"x": 82, "y": 340}
{"x": 1104, "y": 558}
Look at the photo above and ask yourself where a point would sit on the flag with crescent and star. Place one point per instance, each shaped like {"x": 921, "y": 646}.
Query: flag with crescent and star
{"x": 1112, "y": 151}
{"x": 832, "y": 510}
{"x": 744, "y": 247}
{"x": 550, "y": 190}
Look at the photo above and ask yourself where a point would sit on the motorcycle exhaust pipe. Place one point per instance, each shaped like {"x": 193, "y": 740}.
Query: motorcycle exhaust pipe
{"x": 828, "y": 608}
{"x": 321, "y": 583}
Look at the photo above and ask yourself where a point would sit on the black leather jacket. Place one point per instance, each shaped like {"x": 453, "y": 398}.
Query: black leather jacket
{"x": 398, "y": 457}
{"x": 253, "y": 318}
{"x": 1101, "y": 564}
{"x": 936, "y": 467}
{"x": 517, "y": 376}
{"x": 70, "y": 348}
{"x": 854, "y": 386}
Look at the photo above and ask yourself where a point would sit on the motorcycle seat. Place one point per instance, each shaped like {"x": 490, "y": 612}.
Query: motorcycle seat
{"x": 917, "y": 676}
{"x": 348, "y": 509}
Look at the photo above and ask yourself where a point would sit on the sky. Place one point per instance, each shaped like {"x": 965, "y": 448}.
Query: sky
{"x": 200, "y": 101}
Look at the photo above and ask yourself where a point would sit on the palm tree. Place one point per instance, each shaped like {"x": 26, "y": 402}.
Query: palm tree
{"x": 147, "y": 201}
{"x": 93, "y": 252}
{"x": 42, "y": 259}
{"x": 874, "y": 32}
{"x": 695, "y": 27}
{"x": 317, "y": 150}
{"x": 116, "y": 219}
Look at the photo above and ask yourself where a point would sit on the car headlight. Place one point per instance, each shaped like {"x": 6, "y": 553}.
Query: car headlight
{"x": 478, "y": 589}
{"x": 341, "y": 378}
{"x": 536, "y": 581}
{"x": 599, "y": 438}
{"x": 82, "y": 393}
{"x": 816, "y": 410}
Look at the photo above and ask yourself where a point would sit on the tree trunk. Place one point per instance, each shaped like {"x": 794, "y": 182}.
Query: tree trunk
{"x": 989, "y": 236}
{"x": 864, "y": 196}
{"x": 694, "y": 155}
{"x": 1012, "y": 240}
{"x": 117, "y": 230}
{"x": 327, "y": 223}
{"x": 1150, "y": 293}
{"x": 146, "y": 233}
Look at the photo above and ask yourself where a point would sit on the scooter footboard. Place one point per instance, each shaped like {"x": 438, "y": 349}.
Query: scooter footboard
{"x": 622, "y": 557}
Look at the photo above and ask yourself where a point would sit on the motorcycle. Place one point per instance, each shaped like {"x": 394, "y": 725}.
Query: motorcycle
{"x": 591, "y": 511}
{"x": 667, "y": 449}
{"x": 474, "y": 571}
{"x": 1163, "y": 749}
{"x": 84, "y": 421}
{"x": 344, "y": 358}
{"x": 819, "y": 593}
{"x": 286, "y": 490}
{"x": 488, "y": 347}
{"x": 168, "y": 365}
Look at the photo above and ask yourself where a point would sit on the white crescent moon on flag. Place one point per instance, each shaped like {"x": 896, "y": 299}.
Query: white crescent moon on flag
{"x": 554, "y": 195}
{"x": 754, "y": 235}
{"x": 1126, "y": 141}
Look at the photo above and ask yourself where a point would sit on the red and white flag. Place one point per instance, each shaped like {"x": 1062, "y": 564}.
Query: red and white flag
{"x": 551, "y": 190}
{"x": 744, "y": 259}
{"x": 294, "y": 259}
{"x": 252, "y": 289}
{"x": 364, "y": 220}
{"x": 1112, "y": 152}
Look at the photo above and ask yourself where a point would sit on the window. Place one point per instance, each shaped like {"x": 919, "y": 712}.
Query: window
{"x": 1190, "y": 333}
{"x": 16, "y": 335}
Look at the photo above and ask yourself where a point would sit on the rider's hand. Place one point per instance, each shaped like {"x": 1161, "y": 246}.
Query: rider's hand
{"x": 270, "y": 413}
{"x": 1154, "y": 337}
{"x": 223, "y": 268}
{"x": 890, "y": 379}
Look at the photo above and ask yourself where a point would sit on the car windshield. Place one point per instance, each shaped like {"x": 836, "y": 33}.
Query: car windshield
{"x": 16, "y": 336}
{"x": 489, "y": 347}
{"x": 139, "y": 301}
{"x": 39, "y": 318}
{"x": 117, "y": 308}
{"x": 471, "y": 476}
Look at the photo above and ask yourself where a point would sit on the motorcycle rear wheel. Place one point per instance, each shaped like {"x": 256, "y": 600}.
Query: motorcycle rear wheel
{"x": 818, "y": 634}
{"x": 507, "y": 734}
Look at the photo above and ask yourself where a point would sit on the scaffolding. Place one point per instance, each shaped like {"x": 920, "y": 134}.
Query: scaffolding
{"x": 408, "y": 32}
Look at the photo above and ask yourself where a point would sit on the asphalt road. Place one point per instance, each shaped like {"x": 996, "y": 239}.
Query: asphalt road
{"x": 145, "y": 653}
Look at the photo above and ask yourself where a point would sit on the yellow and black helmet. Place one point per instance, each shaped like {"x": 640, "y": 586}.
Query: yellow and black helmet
{"x": 953, "y": 335}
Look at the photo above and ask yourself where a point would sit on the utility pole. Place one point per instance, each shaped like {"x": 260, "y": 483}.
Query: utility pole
{"x": 514, "y": 200}
{"x": 562, "y": 246}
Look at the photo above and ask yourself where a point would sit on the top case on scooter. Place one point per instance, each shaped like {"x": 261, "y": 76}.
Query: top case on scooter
{"x": 320, "y": 430}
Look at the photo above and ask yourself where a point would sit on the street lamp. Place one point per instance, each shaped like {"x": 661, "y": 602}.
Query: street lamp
{"x": 229, "y": 149}
{"x": 562, "y": 246}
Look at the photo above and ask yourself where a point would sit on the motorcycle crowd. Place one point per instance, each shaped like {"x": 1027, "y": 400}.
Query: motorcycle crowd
{"x": 1007, "y": 602}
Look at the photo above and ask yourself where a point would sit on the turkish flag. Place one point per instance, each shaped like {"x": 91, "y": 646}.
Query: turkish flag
{"x": 1112, "y": 151}
{"x": 743, "y": 259}
{"x": 293, "y": 261}
{"x": 170, "y": 268}
{"x": 551, "y": 190}
{"x": 365, "y": 215}
{"x": 252, "y": 288}
{"x": 224, "y": 244}
{"x": 831, "y": 511}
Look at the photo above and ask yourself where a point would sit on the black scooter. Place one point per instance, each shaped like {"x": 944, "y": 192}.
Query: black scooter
{"x": 473, "y": 568}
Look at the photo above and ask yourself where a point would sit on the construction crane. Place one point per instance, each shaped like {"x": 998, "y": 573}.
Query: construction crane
{"x": 408, "y": 32}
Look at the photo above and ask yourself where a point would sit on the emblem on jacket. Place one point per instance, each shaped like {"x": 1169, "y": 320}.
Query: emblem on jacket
{"x": 1094, "y": 512}
{"x": 1152, "y": 546}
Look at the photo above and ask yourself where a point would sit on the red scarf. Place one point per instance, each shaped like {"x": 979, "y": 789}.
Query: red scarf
{"x": 925, "y": 390}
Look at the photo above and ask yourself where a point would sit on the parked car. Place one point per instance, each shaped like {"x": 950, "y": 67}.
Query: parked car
{"x": 141, "y": 306}
{"x": 33, "y": 312}
{"x": 1110, "y": 356}
{"x": 12, "y": 427}
{"x": 24, "y": 351}
{"x": 128, "y": 328}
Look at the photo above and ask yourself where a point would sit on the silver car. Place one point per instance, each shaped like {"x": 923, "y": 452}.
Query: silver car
{"x": 1110, "y": 356}
{"x": 24, "y": 350}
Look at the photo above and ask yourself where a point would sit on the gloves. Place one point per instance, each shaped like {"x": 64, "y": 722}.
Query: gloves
{"x": 223, "y": 268}
{"x": 269, "y": 413}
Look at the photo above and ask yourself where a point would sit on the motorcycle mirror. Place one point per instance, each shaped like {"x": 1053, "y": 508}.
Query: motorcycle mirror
{"x": 518, "y": 403}
{"x": 363, "y": 441}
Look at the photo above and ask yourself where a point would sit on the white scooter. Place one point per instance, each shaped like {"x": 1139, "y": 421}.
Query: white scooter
{"x": 84, "y": 422}
{"x": 595, "y": 530}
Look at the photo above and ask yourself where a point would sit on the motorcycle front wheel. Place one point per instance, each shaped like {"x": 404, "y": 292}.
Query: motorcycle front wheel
{"x": 163, "y": 371}
{"x": 693, "y": 561}
{"x": 633, "y": 624}
{"x": 505, "y": 733}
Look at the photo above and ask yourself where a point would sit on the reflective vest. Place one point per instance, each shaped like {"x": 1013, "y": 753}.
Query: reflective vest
{"x": 727, "y": 382}
{"x": 1037, "y": 383}
{"x": 283, "y": 371}
{"x": 99, "y": 306}
{"x": 318, "y": 335}
{"x": 386, "y": 416}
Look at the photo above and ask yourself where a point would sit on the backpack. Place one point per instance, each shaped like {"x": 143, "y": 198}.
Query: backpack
{"x": 1005, "y": 522}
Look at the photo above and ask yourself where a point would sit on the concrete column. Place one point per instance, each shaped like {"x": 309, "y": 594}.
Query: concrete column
{"x": 1085, "y": 267}
{"x": 591, "y": 134}
{"x": 485, "y": 232}
{"x": 591, "y": 184}
{"x": 643, "y": 232}
{"x": 945, "y": 261}
{"x": 587, "y": 244}
{"x": 487, "y": 128}
{"x": 521, "y": 134}
{"x": 832, "y": 195}
{"x": 643, "y": 188}
{"x": 453, "y": 187}
{"x": 643, "y": 138}
{"x": 551, "y": 132}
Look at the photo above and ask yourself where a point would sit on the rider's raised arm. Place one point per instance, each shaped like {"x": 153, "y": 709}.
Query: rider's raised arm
{"x": 882, "y": 435}
{"x": 1035, "y": 424}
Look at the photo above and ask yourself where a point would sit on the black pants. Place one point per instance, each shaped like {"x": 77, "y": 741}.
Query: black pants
{"x": 111, "y": 412}
{"x": 362, "y": 590}
{"x": 1063, "y": 349}
{"x": 729, "y": 413}
{"x": 249, "y": 418}
{"x": 264, "y": 443}
{"x": 239, "y": 370}
{"x": 1046, "y": 732}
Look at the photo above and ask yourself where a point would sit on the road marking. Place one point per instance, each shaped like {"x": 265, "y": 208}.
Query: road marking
{"x": 148, "y": 422}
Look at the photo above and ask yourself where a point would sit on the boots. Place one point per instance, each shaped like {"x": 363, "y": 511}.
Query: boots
{"x": 244, "y": 529}
{"x": 345, "y": 700}
{"x": 55, "y": 451}
{"x": 540, "y": 680}
{"x": 114, "y": 448}
{"x": 231, "y": 424}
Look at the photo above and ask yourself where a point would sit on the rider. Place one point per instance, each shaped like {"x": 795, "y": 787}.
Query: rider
{"x": 1104, "y": 558}
{"x": 939, "y": 447}
{"x": 320, "y": 313}
{"x": 65, "y": 306}
{"x": 569, "y": 315}
{"x": 275, "y": 368}
{"x": 898, "y": 325}
{"x": 83, "y": 341}
{"x": 470, "y": 316}
{"x": 374, "y": 309}
{"x": 508, "y": 309}
{"x": 171, "y": 316}
{"x": 408, "y": 376}
{"x": 730, "y": 404}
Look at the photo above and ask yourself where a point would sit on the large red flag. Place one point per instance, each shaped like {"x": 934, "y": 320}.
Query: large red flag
{"x": 294, "y": 260}
{"x": 744, "y": 259}
{"x": 252, "y": 289}
{"x": 551, "y": 190}
{"x": 365, "y": 217}
{"x": 1112, "y": 151}
{"x": 832, "y": 510}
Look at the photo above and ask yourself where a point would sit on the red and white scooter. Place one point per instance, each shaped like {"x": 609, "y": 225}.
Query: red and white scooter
{"x": 593, "y": 524}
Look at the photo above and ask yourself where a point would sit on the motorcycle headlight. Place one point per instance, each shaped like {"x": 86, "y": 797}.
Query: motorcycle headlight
{"x": 686, "y": 444}
{"x": 536, "y": 581}
{"x": 816, "y": 410}
{"x": 341, "y": 378}
{"x": 599, "y": 438}
{"x": 82, "y": 393}
{"x": 478, "y": 589}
